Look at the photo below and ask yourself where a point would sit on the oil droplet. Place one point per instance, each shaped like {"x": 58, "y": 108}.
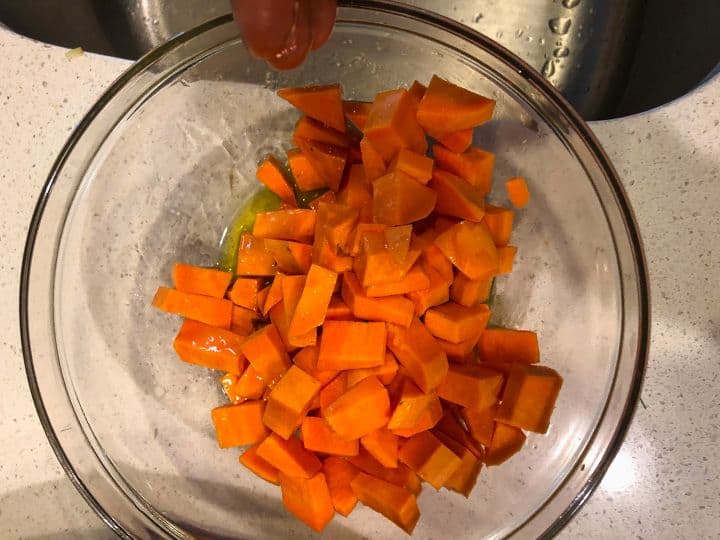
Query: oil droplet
{"x": 569, "y": 4}
{"x": 477, "y": 17}
{"x": 561, "y": 52}
{"x": 548, "y": 69}
{"x": 560, "y": 25}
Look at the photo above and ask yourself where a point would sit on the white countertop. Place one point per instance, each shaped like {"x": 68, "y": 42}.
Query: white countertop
{"x": 665, "y": 480}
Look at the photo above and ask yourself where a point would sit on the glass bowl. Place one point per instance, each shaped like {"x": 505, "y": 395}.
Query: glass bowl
{"x": 155, "y": 173}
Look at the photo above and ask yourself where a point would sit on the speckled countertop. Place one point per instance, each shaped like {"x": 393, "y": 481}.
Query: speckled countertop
{"x": 665, "y": 480}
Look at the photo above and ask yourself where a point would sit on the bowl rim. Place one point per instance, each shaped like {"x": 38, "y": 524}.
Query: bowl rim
{"x": 393, "y": 7}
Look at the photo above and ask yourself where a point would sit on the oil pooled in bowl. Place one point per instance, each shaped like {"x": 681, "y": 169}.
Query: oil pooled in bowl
{"x": 262, "y": 201}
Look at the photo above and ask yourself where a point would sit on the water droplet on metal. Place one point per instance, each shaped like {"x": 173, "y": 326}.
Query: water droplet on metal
{"x": 561, "y": 52}
{"x": 548, "y": 69}
{"x": 542, "y": 41}
{"x": 569, "y": 4}
{"x": 519, "y": 32}
{"x": 560, "y": 25}
{"x": 499, "y": 34}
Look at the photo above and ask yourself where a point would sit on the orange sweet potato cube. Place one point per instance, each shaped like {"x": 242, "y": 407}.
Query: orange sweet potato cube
{"x": 339, "y": 473}
{"x": 529, "y": 397}
{"x": 411, "y": 404}
{"x": 464, "y": 478}
{"x": 394, "y": 502}
{"x": 471, "y": 385}
{"x": 429, "y": 458}
{"x": 289, "y": 400}
{"x": 392, "y": 125}
{"x": 308, "y": 499}
{"x": 259, "y": 466}
{"x": 506, "y": 441}
{"x": 266, "y": 352}
{"x": 455, "y": 323}
{"x": 238, "y": 425}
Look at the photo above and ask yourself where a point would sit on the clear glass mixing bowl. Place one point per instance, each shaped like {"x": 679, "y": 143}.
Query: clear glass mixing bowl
{"x": 155, "y": 173}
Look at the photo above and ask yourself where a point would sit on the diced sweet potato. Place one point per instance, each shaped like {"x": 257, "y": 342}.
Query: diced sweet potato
{"x": 506, "y": 258}
{"x": 499, "y": 222}
{"x": 386, "y": 372}
{"x": 419, "y": 166}
{"x": 363, "y": 408}
{"x": 416, "y": 349}
{"x": 481, "y": 423}
{"x": 428, "y": 420}
{"x": 506, "y": 441}
{"x": 474, "y": 165}
{"x": 352, "y": 345}
{"x": 308, "y": 499}
{"x": 305, "y": 175}
{"x": 383, "y": 446}
{"x": 205, "y": 309}
{"x": 507, "y": 345}
{"x": 518, "y": 192}
{"x": 446, "y": 107}
{"x": 197, "y": 280}
{"x": 323, "y": 103}
{"x": 290, "y": 257}
{"x": 253, "y": 259}
{"x": 400, "y": 476}
{"x": 270, "y": 173}
{"x": 289, "y": 400}
{"x": 307, "y": 128}
{"x": 372, "y": 160}
{"x": 208, "y": 346}
{"x": 464, "y": 478}
{"x": 457, "y": 141}
{"x": 293, "y": 224}
{"x": 529, "y": 397}
{"x": 357, "y": 112}
{"x": 395, "y": 309}
{"x": 425, "y": 454}
{"x": 470, "y": 292}
{"x": 411, "y": 404}
{"x": 288, "y": 456}
{"x": 313, "y": 302}
{"x": 318, "y": 437}
{"x": 266, "y": 353}
{"x": 339, "y": 473}
{"x": 326, "y": 159}
{"x": 471, "y": 386}
{"x": 455, "y": 323}
{"x": 259, "y": 466}
{"x": 399, "y": 199}
{"x": 394, "y": 502}
{"x": 238, "y": 425}
{"x": 470, "y": 248}
{"x": 392, "y": 125}
{"x": 244, "y": 292}
{"x": 455, "y": 197}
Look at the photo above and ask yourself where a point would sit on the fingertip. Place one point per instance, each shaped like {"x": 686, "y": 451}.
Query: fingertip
{"x": 266, "y": 25}
{"x": 322, "y": 21}
{"x": 297, "y": 46}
